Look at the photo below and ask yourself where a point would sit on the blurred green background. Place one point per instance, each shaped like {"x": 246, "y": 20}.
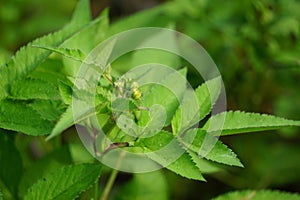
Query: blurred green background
{"x": 256, "y": 46}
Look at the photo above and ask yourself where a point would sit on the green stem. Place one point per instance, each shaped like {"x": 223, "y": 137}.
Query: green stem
{"x": 112, "y": 178}
{"x": 109, "y": 184}
{"x": 96, "y": 189}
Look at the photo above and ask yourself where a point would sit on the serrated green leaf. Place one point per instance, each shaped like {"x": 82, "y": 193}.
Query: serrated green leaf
{"x": 185, "y": 167}
{"x": 259, "y": 195}
{"x": 65, "y": 92}
{"x": 141, "y": 187}
{"x": 187, "y": 113}
{"x": 66, "y": 120}
{"x": 28, "y": 58}
{"x": 48, "y": 109}
{"x": 65, "y": 183}
{"x": 173, "y": 157}
{"x": 51, "y": 71}
{"x": 207, "y": 94}
{"x": 20, "y": 117}
{"x": 209, "y": 147}
{"x": 196, "y": 105}
{"x": 26, "y": 89}
{"x": 11, "y": 163}
{"x": 166, "y": 93}
{"x": 234, "y": 122}
{"x": 205, "y": 166}
{"x": 75, "y": 54}
{"x": 43, "y": 166}
{"x": 84, "y": 43}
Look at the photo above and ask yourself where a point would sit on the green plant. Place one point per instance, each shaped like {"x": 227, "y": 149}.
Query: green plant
{"x": 36, "y": 94}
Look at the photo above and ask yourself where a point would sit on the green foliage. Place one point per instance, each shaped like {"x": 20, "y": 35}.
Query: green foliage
{"x": 37, "y": 96}
{"x": 196, "y": 106}
{"x": 33, "y": 89}
{"x": 45, "y": 165}
{"x": 210, "y": 148}
{"x": 11, "y": 164}
{"x": 65, "y": 183}
{"x": 258, "y": 195}
{"x": 171, "y": 157}
{"x": 241, "y": 122}
{"x": 166, "y": 94}
{"x": 28, "y": 58}
{"x": 20, "y": 117}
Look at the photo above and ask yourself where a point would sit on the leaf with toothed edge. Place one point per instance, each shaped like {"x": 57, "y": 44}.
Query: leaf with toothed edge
{"x": 235, "y": 122}
{"x": 196, "y": 105}
{"x": 209, "y": 147}
{"x": 65, "y": 183}
{"x": 29, "y": 58}
{"x": 168, "y": 93}
{"x": 21, "y": 117}
{"x": 26, "y": 89}
{"x": 75, "y": 54}
{"x": 173, "y": 157}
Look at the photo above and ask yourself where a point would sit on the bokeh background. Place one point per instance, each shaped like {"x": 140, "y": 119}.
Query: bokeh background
{"x": 256, "y": 46}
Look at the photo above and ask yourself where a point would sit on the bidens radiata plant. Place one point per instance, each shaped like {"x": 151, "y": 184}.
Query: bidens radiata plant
{"x": 37, "y": 95}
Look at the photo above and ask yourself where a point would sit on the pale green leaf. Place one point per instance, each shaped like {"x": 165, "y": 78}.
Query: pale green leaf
{"x": 26, "y": 89}
{"x": 29, "y": 58}
{"x": 11, "y": 163}
{"x": 234, "y": 122}
{"x": 258, "y": 195}
{"x": 66, "y": 120}
{"x": 65, "y": 183}
{"x": 205, "y": 166}
{"x": 82, "y": 44}
{"x": 65, "y": 92}
{"x": 166, "y": 93}
{"x": 207, "y": 95}
{"x": 173, "y": 157}
{"x": 123, "y": 105}
{"x": 141, "y": 187}
{"x": 209, "y": 147}
{"x": 69, "y": 118}
{"x": 196, "y": 105}
{"x": 20, "y": 117}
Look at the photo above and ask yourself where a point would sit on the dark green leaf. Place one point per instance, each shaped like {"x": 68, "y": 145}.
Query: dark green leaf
{"x": 65, "y": 183}
{"x": 11, "y": 163}
{"x": 18, "y": 116}
{"x": 33, "y": 89}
